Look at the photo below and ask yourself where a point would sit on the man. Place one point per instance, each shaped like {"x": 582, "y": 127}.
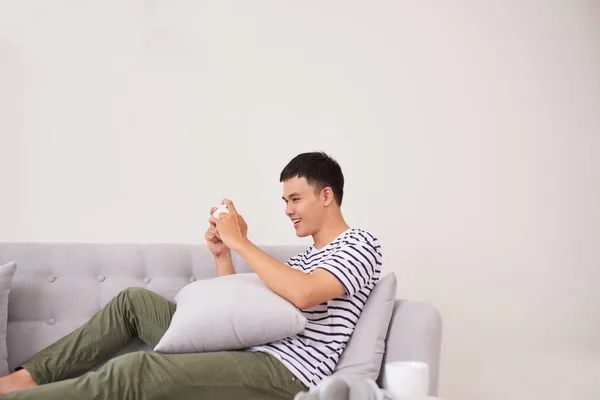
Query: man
{"x": 329, "y": 282}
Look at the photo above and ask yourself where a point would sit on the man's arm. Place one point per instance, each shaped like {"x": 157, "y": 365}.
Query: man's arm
{"x": 301, "y": 289}
{"x": 224, "y": 264}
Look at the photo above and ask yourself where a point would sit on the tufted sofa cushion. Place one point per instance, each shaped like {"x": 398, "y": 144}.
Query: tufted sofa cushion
{"x": 58, "y": 287}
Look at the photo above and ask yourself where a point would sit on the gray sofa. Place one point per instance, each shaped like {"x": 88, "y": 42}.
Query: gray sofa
{"x": 58, "y": 287}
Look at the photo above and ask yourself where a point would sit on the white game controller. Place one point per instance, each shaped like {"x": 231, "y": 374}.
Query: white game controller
{"x": 222, "y": 209}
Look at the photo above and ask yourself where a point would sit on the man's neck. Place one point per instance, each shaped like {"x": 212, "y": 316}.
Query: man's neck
{"x": 329, "y": 232}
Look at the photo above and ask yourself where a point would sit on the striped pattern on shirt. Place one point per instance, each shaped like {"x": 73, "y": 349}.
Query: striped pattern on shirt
{"x": 354, "y": 258}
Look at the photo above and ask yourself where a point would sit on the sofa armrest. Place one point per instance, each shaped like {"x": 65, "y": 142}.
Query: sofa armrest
{"x": 415, "y": 334}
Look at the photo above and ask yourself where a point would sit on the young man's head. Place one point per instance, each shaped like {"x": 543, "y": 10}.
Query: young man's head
{"x": 313, "y": 189}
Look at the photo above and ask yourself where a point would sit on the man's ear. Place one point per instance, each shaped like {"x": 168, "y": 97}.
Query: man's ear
{"x": 328, "y": 197}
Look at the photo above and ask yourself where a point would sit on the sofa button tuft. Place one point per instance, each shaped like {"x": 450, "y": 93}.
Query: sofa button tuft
{"x": 51, "y": 278}
{"x": 192, "y": 279}
{"x": 146, "y": 280}
{"x": 101, "y": 278}
{"x": 51, "y": 321}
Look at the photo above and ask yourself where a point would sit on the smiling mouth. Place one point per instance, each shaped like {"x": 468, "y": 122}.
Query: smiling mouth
{"x": 296, "y": 221}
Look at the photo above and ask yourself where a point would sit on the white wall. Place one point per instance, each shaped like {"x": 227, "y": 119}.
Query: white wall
{"x": 469, "y": 135}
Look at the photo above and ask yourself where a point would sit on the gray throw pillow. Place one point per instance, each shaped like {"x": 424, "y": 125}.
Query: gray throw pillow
{"x": 363, "y": 355}
{"x": 232, "y": 312}
{"x": 7, "y": 273}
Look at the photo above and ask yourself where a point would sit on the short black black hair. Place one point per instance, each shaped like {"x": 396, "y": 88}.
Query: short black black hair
{"x": 319, "y": 170}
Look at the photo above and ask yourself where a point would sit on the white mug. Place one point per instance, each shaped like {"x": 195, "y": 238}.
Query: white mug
{"x": 407, "y": 380}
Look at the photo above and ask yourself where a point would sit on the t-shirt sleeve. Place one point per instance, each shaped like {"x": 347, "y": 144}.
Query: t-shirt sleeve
{"x": 294, "y": 262}
{"x": 354, "y": 265}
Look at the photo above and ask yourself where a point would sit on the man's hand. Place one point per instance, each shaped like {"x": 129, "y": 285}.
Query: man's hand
{"x": 214, "y": 242}
{"x": 231, "y": 227}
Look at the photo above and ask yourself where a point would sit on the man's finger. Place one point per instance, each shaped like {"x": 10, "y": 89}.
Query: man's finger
{"x": 230, "y": 206}
{"x": 213, "y": 221}
{"x": 212, "y": 210}
{"x": 212, "y": 235}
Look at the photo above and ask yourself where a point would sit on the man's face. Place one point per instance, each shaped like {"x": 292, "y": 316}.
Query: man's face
{"x": 303, "y": 206}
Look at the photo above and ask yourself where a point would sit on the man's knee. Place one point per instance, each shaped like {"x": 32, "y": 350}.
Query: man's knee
{"x": 134, "y": 291}
{"x": 131, "y": 294}
{"x": 127, "y": 299}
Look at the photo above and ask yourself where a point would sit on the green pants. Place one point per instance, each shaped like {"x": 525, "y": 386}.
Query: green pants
{"x": 148, "y": 375}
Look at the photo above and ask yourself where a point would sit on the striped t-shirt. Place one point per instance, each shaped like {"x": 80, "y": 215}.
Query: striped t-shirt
{"x": 354, "y": 258}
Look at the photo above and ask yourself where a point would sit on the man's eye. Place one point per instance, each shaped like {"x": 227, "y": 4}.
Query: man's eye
{"x": 296, "y": 200}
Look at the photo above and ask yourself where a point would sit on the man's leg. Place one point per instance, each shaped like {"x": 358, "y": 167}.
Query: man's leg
{"x": 154, "y": 376}
{"x": 133, "y": 312}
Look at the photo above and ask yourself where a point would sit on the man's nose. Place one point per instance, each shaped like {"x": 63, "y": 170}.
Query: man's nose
{"x": 289, "y": 211}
